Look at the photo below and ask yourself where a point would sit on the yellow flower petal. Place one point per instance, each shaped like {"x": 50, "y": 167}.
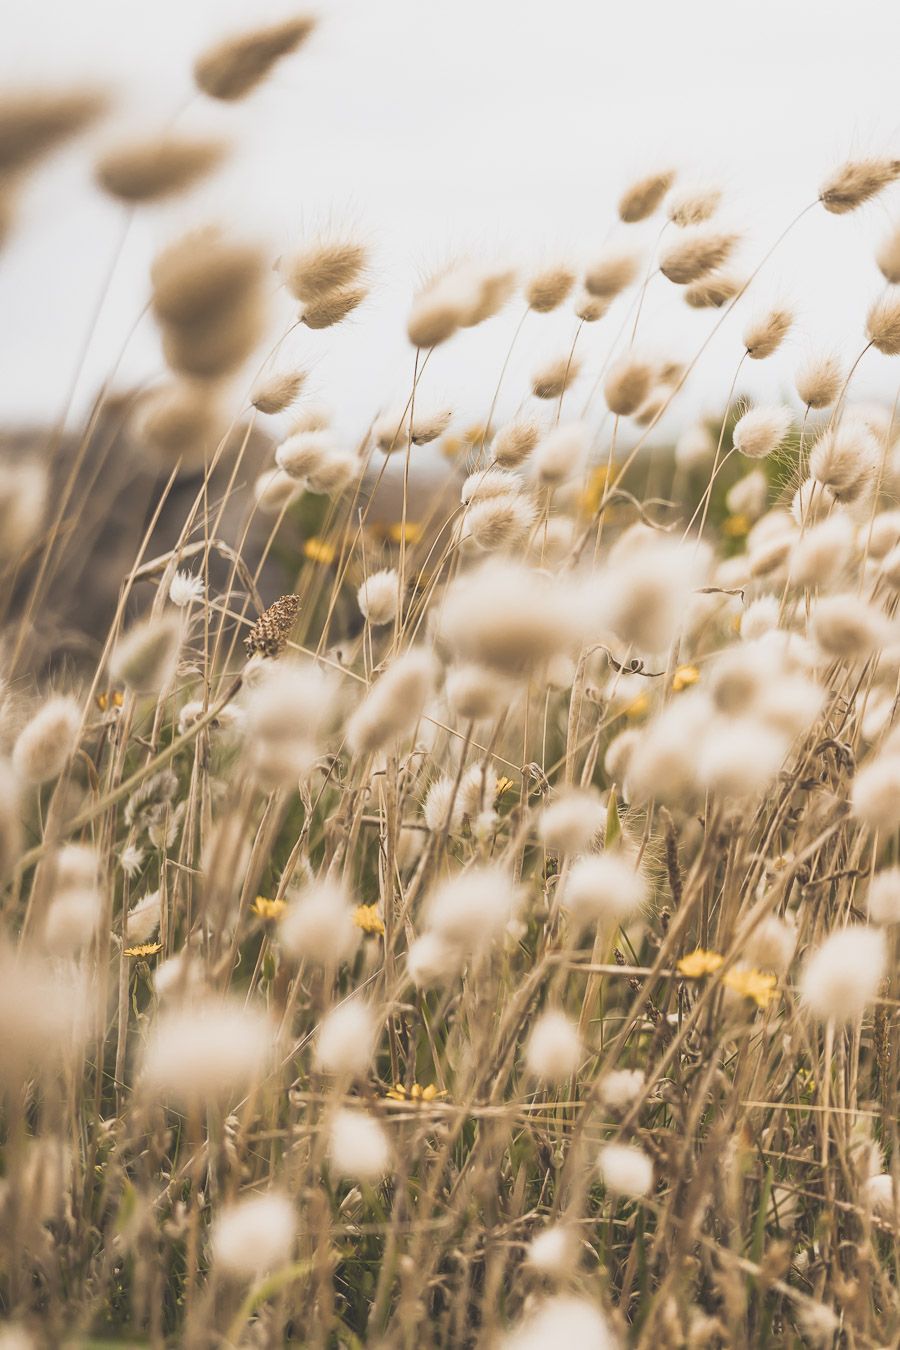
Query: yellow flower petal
{"x": 684, "y": 677}
{"x": 368, "y": 919}
{"x": 319, "y": 550}
{"x": 756, "y": 984}
{"x": 699, "y": 963}
{"x": 145, "y": 949}
{"x": 268, "y": 909}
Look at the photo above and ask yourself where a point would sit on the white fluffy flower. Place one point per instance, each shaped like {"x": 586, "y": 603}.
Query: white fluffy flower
{"x": 605, "y": 889}
{"x": 878, "y": 1192}
{"x": 565, "y": 1320}
{"x": 553, "y": 1050}
{"x": 358, "y": 1147}
{"x": 46, "y": 743}
{"x": 346, "y": 1039}
{"x": 143, "y": 918}
{"x": 875, "y": 793}
{"x": 472, "y": 909}
{"x": 625, "y": 1169}
{"x": 318, "y": 925}
{"x": 844, "y": 974}
{"x": 572, "y": 820}
{"x": 621, "y": 1087}
{"x": 553, "y": 1251}
{"x": 210, "y": 1051}
{"x": 378, "y": 597}
{"x": 185, "y": 589}
{"x": 884, "y": 896}
{"x": 254, "y": 1235}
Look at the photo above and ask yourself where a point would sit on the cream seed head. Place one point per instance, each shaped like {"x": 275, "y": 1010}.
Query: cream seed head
{"x": 508, "y": 617}
{"x": 856, "y": 182}
{"x": 553, "y": 1050}
{"x": 476, "y": 693}
{"x": 572, "y": 821}
{"x": 552, "y": 379}
{"x": 883, "y": 898}
{"x": 547, "y": 289}
{"x": 394, "y": 703}
{"x": 566, "y": 1319}
{"x": 713, "y": 291}
{"x": 621, "y": 1088}
{"x": 346, "y": 1040}
{"x": 358, "y": 1147}
{"x": 694, "y": 206}
{"x": 847, "y": 628}
{"x": 875, "y": 793}
{"x": 612, "y": 272}
{"x": 761, "y": 431}
{"x": 883, "y": 324}
{"x": 379, "y": 597}
{"x": 325, "y": 266}
{"x": 560, "y": 455}
{"x": 843, "y": 975}
{"x": 606, "y": 890}
{"x": 151, "y": 169}
{"x": 318, "y": 926}
{"x": 818, "y": 381}
{"x": 765, "y": 333}
{"x": 591, "y": 308}
{"x": 254, "y": 1236}
{"x": 473, "y": 909}
{"x": 514, "y": 442}
{"x": 47, "y": 742}
{"x": 888, "y": 256}
{"x": 143, "y": 919}
{"x": 695, "y": 253}
{"x": 500, "y": 522}
{"x": 625, "y": 1170}
{"x": 643, "y": 197}
{"x": 749, "y": 495}
{"x": 846, "y": 459}
{"x": 236, "y": 65}
{"x": 627, "y": 385}
{"x": 275, "y": 490}
{"x": 275, "y": 393}
{"x": 213, "y": 1051}
{"x": 695, "y": 447}
{"x": 553, "y": 1251}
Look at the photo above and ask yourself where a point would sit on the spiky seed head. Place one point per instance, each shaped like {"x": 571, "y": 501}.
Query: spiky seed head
{"x": 694, "y": 206}
{"x": 818, "y": 381}
{"x": 233, "y": 67}
{"x": 554, "y": 377}
{"x": 325, "y": 265}
{"x": 713, "y": 292}
{"x": 642, "y": 198}
{"x": 695, "y": 253}
{"x": 333, "y": 307}
{"x": 548, "y": 288}
{"x": 856, "y": 182}
{"x": 34, "y": 122}
{"x": 883, "y": 324}
{"x": 277, "y": 392}
{"x": 760, "y": 431}
{"x": 627, "y": 385}
{"x": 514, "y": 442}
{"x": 269, "y": 635}
{"x": 151, "y": 169}
{"x": 765, "y": 334}
{"x": 611, "y": 272}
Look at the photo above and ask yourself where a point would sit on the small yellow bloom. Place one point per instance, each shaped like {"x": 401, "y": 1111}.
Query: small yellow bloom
{"x": 113, "y": 700}
{"x": 756, "y": 984}
{"x": 417, "y": 1093}
{"x": 735, "y": 527}
{"x": 504, "y": 785}
{"x": 264, "y": 908}
{"x": 411, "y": 532}
{"x": 591, "y": 497}
{"x": 368, "y": 919}
{"x": 319, "y": 550}
{"x": 637, "y": 708}
{"x": 684, "y": 677}
{"x": 699, "y": 963}
{"x": 145, "y": 949}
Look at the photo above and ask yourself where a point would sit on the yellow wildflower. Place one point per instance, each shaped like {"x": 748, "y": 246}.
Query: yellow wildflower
{"x": 504, "y": 785}
{"x": 145, "y": 949}
{"x": 699, "y": 963}
{"x": 637, "y": 708}
{"x": 411, "y": 532}
{"x": 264, "y": 908}
{"x": 113, "y": 700}
{"x": 318, "y": 550}
{"x": 368, "y": 919}
{"x": 591, "y": 497}
{"x": 684, "y": 677}
{"x": 417, "y": 1093}
{"x": 735, "y": 527}
{"x": 756, "y": 984}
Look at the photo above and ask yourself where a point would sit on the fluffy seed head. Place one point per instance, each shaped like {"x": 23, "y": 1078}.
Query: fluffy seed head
{"x": 318, "y": 926}
{"x": 304, "y": 454}
{"x": 765, "y": 334}
{"x": 143, "y": 918}
{"x": 346, "y": 1040}
{"x": 180, "y": 422}
{"x": 884, "y": 896}
{"x": 72, "y": 920}
{"x": 203, "y": 278}
{"x": 555, "y": 377}
{"x": 875, "y": 795}
{"x": 254, "y": 1236}
{"x": 627, "y": 385}
{"x": 358, "y": 1147}
{"x": 572, "y": 821}
{"x": 394, "y": 703}
{"x": 442, "y": 808}
{"x": 233, "y": 67}
{"x": 818, "y": 381}
{"x": 694, "y": 254}
{"x": 740, "y": 758}
{"x": 277, "y": 392}
{"x": 606, "y": 890}
{"x": 500, "y": 522}
{"x": 845, "y": 458}
{"x": 508, "y": 617}
{"x": 563, "y": 1320}
{"x": 561, "y": 454}
{"x": 379, "y": 596}
{"x": 611, "y": 272}
{"x": 772, "y": 943}
{"x": 324, "y": 266}
{"x": 146, "y": 657}
{"x": 148, "y": 170}
{"x": 275, "y": 490}
{"x": 695, "y": 447}
{"x": 761, "y": 431}
{"x": 514, "y": 442}
{"x": 883, "y": 325}
{"x": 694, "y": 206}
{"x": 185, "y": 589}
{"x": 642, "y": 597}
{"x": 472, "y": 909}
{"x": 625, "y": 1170}
{"x": 712, "y": 292}
{"x": 553, "y": 1251}
{"x": 46, "y": 743}
{"x": 553, "y": 1050}
{"x": 287, "y": 710}
{"x": 642, "y": 198}
{"x": 619, "y": 1088}
{"x": 547, "y": 289}
{"x": 888, "y": 256}
{"x": 847, "y": 628}
{"x": 431, "y": 961}
{"x": 475, "y": 693}
{"x": 856, "y": 182}
{"x": 844, "y": 974}
{"x": 484, "y": 484}
{"x": 822, "y": 553}
{"x": 212, "y": 1051}
{"x": 35, "y": 122}
{"x": 591, "y": 308}
{"x": 23, "y": 501}
{"x": 334, "y": 307}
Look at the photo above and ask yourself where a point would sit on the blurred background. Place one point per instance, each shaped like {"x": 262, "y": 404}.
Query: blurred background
{"x": 506, "y": 128}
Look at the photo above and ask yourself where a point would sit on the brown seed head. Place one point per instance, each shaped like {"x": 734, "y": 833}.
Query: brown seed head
{"x": 548, "y": 289}
{"x": 277, "y": 392}
{"x": 883, "y": 325}
{"x": 611, "y": 273}
{"x": 696, "y": 253}
{"x": 643, "y": 197}
{"x": 627, "y": 385}
{"x": 333, "y": 307}
{"x": 233, "y": 67}
{"x": 202, "y": 276}
{"x": 712, "y": 292}
{"x": 765, "y": 334}
{"x": 33, "y": 124}
{"x": 555, "y": 377}
{"x": 269, "y": 635}
{"x": 856, "y": 182}
{"x": 144, "y": 171}
{"x": 323, "y": 266}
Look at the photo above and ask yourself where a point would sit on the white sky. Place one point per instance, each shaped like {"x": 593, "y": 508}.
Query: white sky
{"x": 506, "y": 127}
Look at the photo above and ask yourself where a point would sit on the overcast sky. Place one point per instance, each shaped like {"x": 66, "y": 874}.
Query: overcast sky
{"x": 503, "y": 127}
